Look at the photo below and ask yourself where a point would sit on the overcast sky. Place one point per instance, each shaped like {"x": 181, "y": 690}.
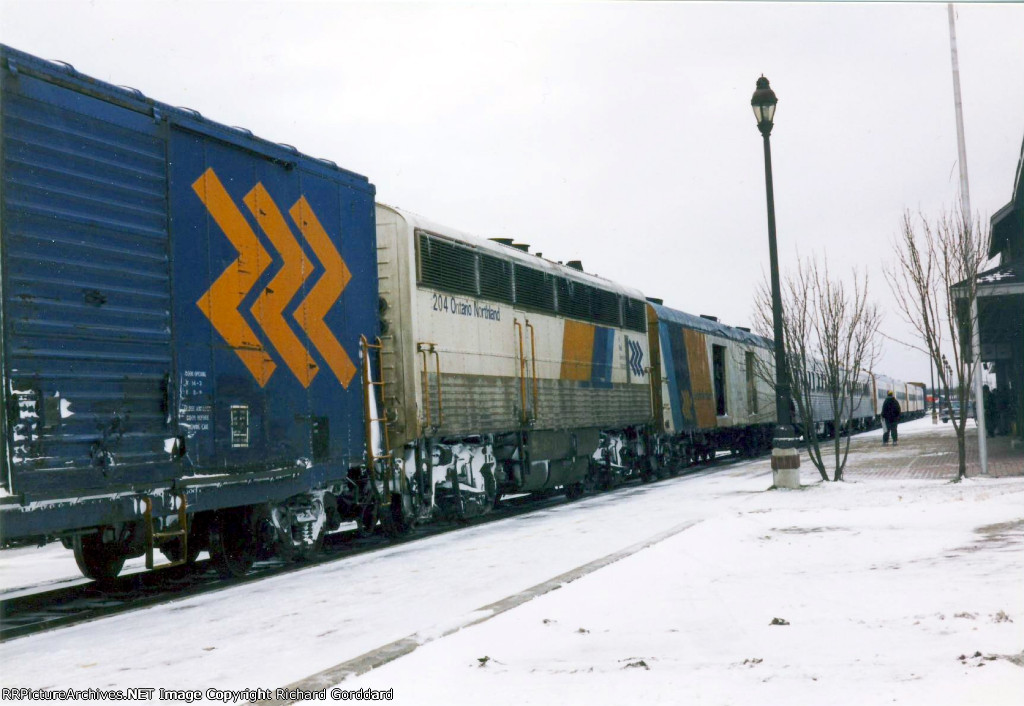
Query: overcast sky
{"x": 620, "y": 134}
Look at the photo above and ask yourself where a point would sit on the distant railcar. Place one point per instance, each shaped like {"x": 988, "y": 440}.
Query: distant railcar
{"x": 859, "y": 404}
{"x": 909, "y": 395}
{"x": 915, "y": 400}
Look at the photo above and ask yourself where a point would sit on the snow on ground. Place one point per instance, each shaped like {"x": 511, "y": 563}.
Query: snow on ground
{"x": 884, "y": 584}
{"x": 52, "y": 567}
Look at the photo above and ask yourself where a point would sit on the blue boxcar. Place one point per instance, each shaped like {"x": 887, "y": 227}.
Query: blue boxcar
{"x": 181, "y": 307}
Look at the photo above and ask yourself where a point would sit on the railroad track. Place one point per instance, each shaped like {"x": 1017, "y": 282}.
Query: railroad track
{"x": 32, "y": 613}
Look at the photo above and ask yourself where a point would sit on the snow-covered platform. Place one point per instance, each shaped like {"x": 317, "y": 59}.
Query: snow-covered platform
{"x": 928, "y": 450}
{"x": 865, "y": 592}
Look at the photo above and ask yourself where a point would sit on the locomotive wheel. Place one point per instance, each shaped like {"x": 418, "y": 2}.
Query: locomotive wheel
{"x": 394, "y": 519}
{"x": 232, "y": 549}
{"x": 367, "y": 519}
{"x": 307, "y": 551}
{"x": 574, "y": 491}
{"x": 96, "y": 560}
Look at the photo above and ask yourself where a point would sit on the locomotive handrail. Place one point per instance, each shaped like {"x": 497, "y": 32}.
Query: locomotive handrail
{"x": 649, "y": 370}
{"x": 522, "y": 371}
{"x": 440, "y": 401}
{"x": 533, "y": 365}
{"x": 426, "y": 388}
{"x": 425, "y": 348}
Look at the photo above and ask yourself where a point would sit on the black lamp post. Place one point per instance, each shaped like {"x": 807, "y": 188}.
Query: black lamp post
{"x": 934, "y": 401}
{"x": 785, "y": 456}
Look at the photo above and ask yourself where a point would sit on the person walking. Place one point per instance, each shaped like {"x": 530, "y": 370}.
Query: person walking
{"x": 891, "y": 418}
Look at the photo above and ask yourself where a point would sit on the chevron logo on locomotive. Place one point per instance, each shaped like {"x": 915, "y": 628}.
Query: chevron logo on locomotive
{"x": 635, "y": 356}
{"x": 222, "y": 302}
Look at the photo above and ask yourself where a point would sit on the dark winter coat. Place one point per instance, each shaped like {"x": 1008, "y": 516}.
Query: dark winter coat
{"x": 891, "y": 410}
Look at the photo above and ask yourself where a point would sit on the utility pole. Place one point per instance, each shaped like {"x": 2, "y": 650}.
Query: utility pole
{"x": 965, "y": 205}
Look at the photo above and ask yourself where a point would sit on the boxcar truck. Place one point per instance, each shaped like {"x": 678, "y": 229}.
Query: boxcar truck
{"x": 181, "y": 310}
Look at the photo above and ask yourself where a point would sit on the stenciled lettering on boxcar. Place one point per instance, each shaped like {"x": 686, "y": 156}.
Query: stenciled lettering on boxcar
{"x": 194, "y": 407}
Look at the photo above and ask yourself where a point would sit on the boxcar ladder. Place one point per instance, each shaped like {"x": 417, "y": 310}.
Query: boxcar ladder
{"x": 181, "y": 533}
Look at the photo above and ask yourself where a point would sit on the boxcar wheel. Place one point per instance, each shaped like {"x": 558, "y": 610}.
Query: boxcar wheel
{"x": 232, "y": 549}
{"x": 173, "y": 551}
{"x": 96, "y": 560}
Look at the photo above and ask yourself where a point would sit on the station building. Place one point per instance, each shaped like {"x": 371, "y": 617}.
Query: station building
{"x": 1001, "y": 310}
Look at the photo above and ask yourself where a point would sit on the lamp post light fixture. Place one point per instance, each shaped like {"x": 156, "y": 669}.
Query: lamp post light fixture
{"x": 785, "y": 454}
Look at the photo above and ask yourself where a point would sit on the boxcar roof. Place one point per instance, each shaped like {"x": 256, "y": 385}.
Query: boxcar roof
{"x": 65, "y": 74}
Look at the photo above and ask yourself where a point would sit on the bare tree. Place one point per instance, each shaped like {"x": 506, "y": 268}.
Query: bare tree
{"x": 831, "y": 342}
{"x": 935, "y": 283}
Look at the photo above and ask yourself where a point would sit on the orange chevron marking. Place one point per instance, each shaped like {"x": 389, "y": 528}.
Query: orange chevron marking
{"x": 310, "y": 314}
{"x": 268, "y": 309}
{"x": 221, "y": 301}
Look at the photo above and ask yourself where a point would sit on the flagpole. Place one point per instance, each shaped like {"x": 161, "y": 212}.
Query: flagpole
{"x": 965, "y": 206}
